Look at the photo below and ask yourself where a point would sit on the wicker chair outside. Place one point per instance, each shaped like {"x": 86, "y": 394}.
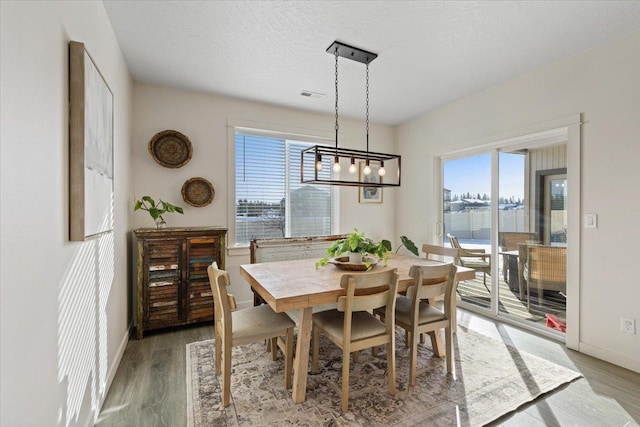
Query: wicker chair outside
{"x": 545, "y": 269}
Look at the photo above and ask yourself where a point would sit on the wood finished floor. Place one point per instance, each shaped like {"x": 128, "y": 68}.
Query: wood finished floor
{"x": 149, "y": 388}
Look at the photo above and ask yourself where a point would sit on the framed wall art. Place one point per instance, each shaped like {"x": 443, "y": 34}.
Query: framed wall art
{"x": 90, "y": 147}
{"x": 370, "y": 194}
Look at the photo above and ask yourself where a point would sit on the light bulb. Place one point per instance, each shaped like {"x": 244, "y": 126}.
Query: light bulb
{"x": 319, "y": 163}
{"x": 381, "y": 171}
{"x": 336, "y": 164}
{"x": 366, "y": 170}
{"x": 352, "y": 167}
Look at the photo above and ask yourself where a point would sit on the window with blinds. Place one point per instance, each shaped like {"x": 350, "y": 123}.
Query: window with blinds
{"x": 270, "y": 200}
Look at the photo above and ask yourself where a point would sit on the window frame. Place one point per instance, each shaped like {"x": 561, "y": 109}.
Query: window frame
{"x": 274, "y": 131}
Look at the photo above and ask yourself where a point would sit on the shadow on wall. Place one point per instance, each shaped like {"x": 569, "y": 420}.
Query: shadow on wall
{"x": 82, "y": 334}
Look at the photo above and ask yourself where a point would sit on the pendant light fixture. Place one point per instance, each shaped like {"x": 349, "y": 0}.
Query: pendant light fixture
{"x": 360, "y": 172}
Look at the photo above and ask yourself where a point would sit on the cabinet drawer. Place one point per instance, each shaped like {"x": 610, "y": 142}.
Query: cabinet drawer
{"x": 164, "y": 249}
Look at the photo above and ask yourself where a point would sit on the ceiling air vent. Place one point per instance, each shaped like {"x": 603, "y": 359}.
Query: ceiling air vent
{"x": 310, "y": 94}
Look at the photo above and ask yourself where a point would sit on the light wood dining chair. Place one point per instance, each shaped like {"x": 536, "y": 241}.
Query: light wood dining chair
{"x": 352, "y": 327}
{"x": 233, "y": 328}
{"x": 416, "y": 316}
{"x": 444, "y": 254}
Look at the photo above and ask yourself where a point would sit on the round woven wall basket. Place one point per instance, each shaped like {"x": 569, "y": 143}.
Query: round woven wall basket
{"x": 170, "y": 148}
{"x": 197, "y": 192}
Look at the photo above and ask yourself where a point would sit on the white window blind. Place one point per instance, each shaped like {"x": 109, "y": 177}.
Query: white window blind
{"x": 270, "y": 200}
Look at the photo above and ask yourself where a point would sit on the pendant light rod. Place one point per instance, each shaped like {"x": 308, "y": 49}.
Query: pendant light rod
{"x": 386, "y": 165}
{"x": 336, "y": 127}
{"x": 367, "y": 107}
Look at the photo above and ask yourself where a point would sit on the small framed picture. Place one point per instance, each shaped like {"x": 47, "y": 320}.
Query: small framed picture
{"x": 370, "y": 194}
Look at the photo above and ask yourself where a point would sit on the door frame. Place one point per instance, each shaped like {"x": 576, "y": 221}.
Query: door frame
{"x": 562, "y": 130}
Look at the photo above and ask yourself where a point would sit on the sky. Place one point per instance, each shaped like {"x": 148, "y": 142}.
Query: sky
{"x": 473, "y": 174}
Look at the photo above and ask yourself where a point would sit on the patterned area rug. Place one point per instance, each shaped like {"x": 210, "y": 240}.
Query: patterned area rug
{"x": 492, "y": 380}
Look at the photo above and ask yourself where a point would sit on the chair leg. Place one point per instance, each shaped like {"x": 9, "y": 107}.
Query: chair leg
{"x": 356, "y": 355}
{"x": 391, "y": 364}
{"x": 374, "y": 350}
{"x": 218, "y": 350}
{"x": 345, "y": 380}
{"x": 226, "y": 375}
{"x": 316, "y": 349}
{"x": 274, "y": 348}
{"x": 436, "y": 343}
{"x": 413, "y": 361}
{"x": 288, "y": 359}
{"x": 448, "y": 333}
{"x": 504, "y": 268}
{"x": 540, "y": 296}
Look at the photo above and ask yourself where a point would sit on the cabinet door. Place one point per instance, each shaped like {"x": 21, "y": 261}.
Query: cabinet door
{"x": 201, "y": 252}
{"x": 163, "y": 290}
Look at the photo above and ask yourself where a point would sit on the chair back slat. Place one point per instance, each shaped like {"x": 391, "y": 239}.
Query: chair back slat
{"x": 365, "y": 302}
{"x": 434, "y": 280}
{"x": 367, "y": 291}
{"x": 440, "y": 253}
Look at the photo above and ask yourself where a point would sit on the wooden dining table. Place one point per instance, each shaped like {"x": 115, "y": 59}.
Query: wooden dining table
{"x": 298, "y": 285}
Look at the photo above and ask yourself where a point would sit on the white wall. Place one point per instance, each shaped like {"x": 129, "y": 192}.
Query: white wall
{"x": 604, "y": 85}
{"x": 203, "y": 118}
{"x": 64, "y": 311}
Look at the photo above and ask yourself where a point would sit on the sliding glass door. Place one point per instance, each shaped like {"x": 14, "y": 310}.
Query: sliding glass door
{"x": 467, "y": 220}
{"x": 510, "y": 202}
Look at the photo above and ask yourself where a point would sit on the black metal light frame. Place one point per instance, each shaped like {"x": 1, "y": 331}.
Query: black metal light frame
{"x": 329, "y": 153}
{"x": 318, "y": 152}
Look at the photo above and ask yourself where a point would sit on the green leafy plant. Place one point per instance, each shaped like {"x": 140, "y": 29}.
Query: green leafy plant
{"x": 408, "y": 243}
{"x": 357, "y": 242}
{"x": 156, "y": 210}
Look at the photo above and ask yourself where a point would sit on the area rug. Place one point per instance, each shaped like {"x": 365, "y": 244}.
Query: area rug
{"x": 492, "y": 379}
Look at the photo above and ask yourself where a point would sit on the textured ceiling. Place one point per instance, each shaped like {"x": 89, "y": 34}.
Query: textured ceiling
{"x": 430, "y": 53}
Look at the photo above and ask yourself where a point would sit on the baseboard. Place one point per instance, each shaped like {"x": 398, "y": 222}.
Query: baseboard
{"x": 111, "y": 375}
{"x": 114, "y": 367}
{"x": 611, "y": 357}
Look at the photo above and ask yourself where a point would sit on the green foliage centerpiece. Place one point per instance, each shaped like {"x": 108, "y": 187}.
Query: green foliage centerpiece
{"x": 359, "y": 243}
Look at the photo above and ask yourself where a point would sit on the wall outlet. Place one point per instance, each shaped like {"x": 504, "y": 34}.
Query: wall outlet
{"x": 628, "y": 325}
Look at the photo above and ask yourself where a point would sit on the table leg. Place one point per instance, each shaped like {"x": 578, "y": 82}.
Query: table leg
{"x": 301, "y": 363}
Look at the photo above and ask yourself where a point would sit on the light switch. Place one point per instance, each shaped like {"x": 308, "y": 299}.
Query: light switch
{"x": 590, "y": 220}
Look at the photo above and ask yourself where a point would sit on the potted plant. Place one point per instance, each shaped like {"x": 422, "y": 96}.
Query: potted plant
{"x": 156, "y": 210}
{"x": 359, "y": 245}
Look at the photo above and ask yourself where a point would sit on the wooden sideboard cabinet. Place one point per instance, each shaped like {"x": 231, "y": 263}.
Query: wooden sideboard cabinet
{"x": 173, "y": 287}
